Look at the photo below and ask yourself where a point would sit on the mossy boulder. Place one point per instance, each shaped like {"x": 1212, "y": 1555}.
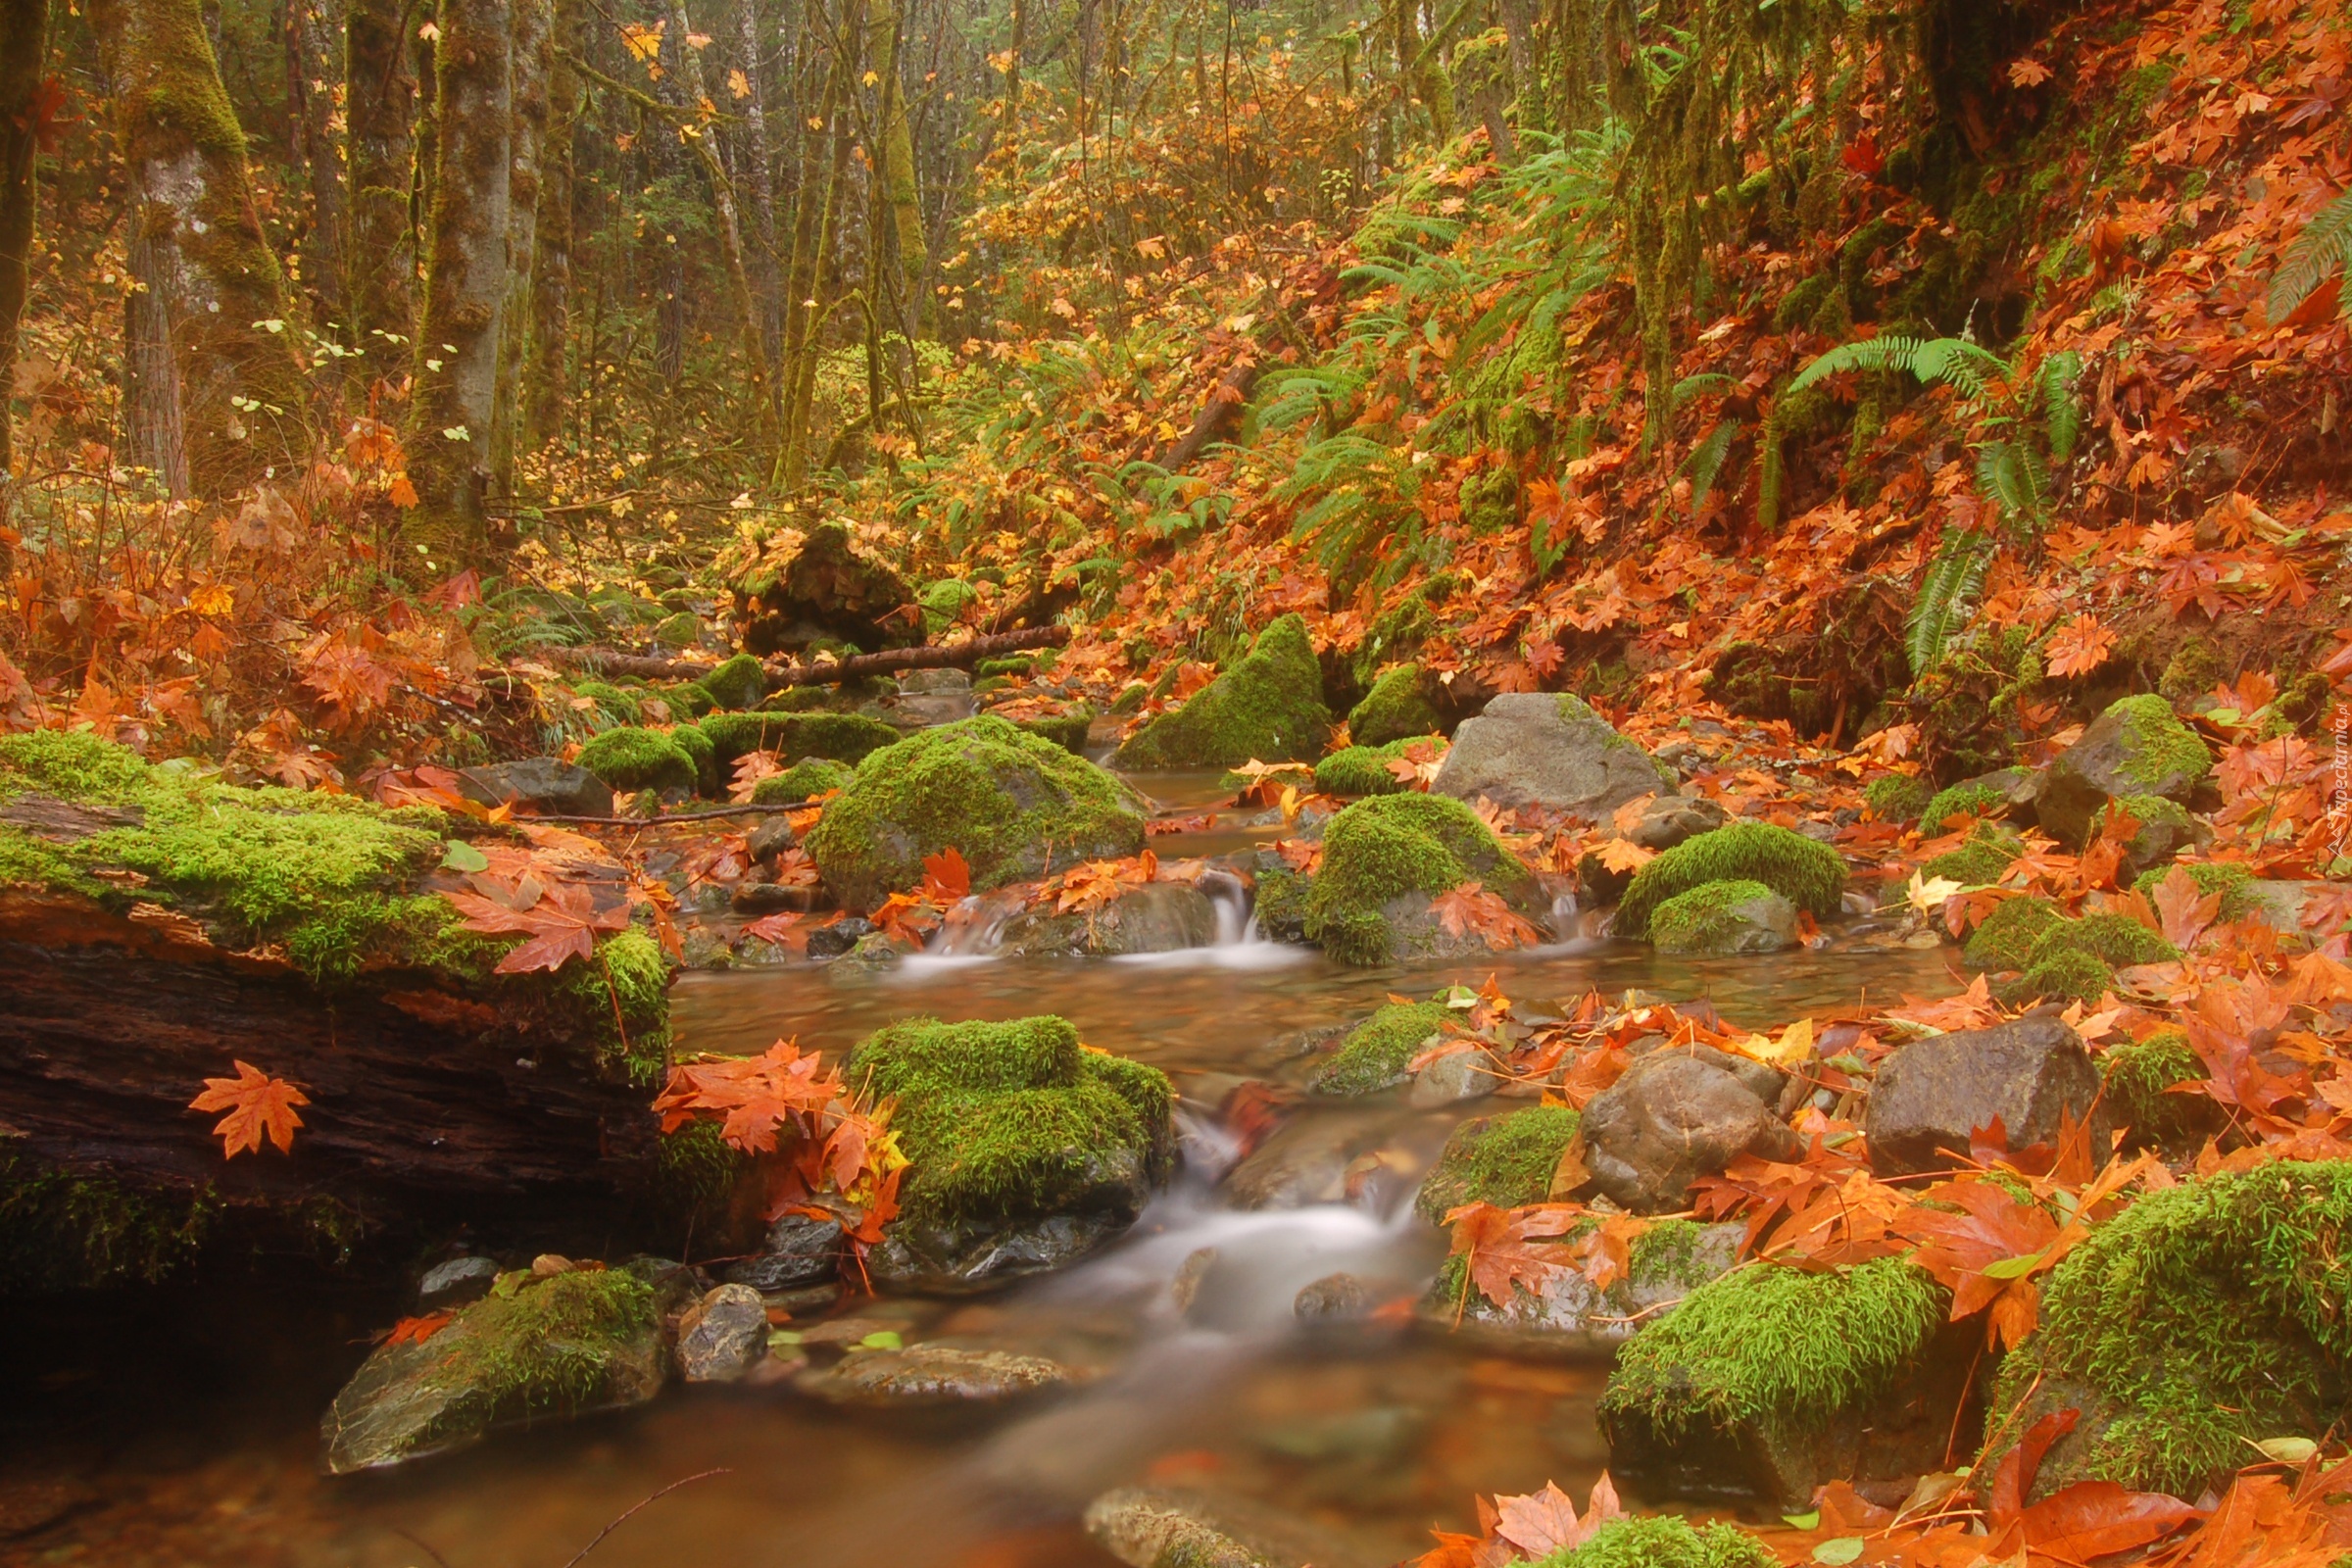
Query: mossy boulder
{"x": 2227, "y": 878}
{"x": 1983, "y": 799}
{"x": 533, "y": 1348}
{"x": 2069, "y": 974}
{"x": 1025, "y": 1150}
{"x": 2162, "y": 829}
{"x": 1011, "y": 804}
{"x": 1668, "y": 1261}
{"x": 1980, "y": 862}
{"x": 740, "y": 682}
{"x": 2115, "y": 940}
{"x": 697, "y": 745}
{"x": 804, "y": 780}
{"x": 1664, "y": 1541}
{"x": 1770, "y": 1381}
{"x": 1364, "y": 770}
{"x": 1895, "y": 798}
{"x": 944, "y": 603}
{"x": 1268, "y": 705}
{"x": 1385, "y": 859}
{"x": 1807, "y": 873}
{"x": 2137, "y": 746}
{"x": 2005, "y": 938}
{"x": 632, "y": 758}
{"x": 1396, "y": 707}
{"x": 839, "y": 737}
{"x": 2200, "y": 1321}
{"x": 1539, "y": 749}
{"x": 1373, "y": 1056}
{"x": 1066, "y": 730}
{"x": 1506, "y": 1160}
{"x": 1722, "y": 920}
{"x": 2137, "y": 1078}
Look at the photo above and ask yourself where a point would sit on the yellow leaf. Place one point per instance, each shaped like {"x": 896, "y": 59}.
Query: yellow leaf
{"x": 1795, "y": 1045}
{"x": 739, "y": 84}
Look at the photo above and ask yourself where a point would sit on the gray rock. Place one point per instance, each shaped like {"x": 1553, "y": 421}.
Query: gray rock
{"x": 1334, "y": 1295}
{"x": 1154, "y": 918}
{"x": 801, "y": 1250}
{"x": 2280, "y": 904}
{"x": 772, "y": 838}
{"x": 1537, "y": 748}
{"x": 757, "y": 899}
{"x": 1184, "y": 1527}
{"x": 962, "y": 1258}
{"x": 1306, "y": 1160}
{"x": 1669, "y": 819}
{"x": 722, "y": 1335}
{"x": 1671, "y": 1119}
{"x": 1930, "y": 1096}
{"x": 451, "y": 1285}
{"x": 935, "y": 682}
{"x": 1570, "y": 1315}
{"x": 544, "y": 784}
{"x": 1452, "y": 1078}
{"x": 2119, "y": 756}
{"x": 2164, "y": 835}
{"x": 832, "y": 941}
{"x": 932, "y": 1374}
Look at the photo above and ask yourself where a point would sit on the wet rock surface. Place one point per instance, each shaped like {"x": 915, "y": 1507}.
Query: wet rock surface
{"x": 932, "y": 1374}
{"x": 800, "y": 1249}
{"x": 1675, "y": 1115}
{"x": 540, "y": 784}
{"x": 722, "y": 1335}
{"x": 1154, "y": 918}
{"x": 1537, "y": 748}
{"x": 1931, "y": 1095}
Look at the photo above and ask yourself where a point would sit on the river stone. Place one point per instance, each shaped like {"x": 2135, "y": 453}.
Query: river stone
{"x": 1331, "y": 1298}
{"x": 801, "y": 1250}
{"x": 1761, "y": 922}
{"x": 1666, "y": 822}
{"x": 1571, "y": 1316}
{"x": 1539, "y": 749}
{"x": 2137, "y": 746}
{"x": 961, "y": 1257}
{"x": 544, "y": 784}
{"x": 932, "y": 1374}
{"x": 451, "y": 1285}
{"x": 832, "y": 941}
{"x": 1154, "y": 918}
{"x": 1674, "y": 1117}
{"x": 772, "y": 838}
{"x": 722, "y": 1335}
{"x": 1306, "y": 1160}
{"x": 1933, "y": 1094}
{"x": 1469, "y": 1073}
{"x": 927, "y": 698}
{"x": 1183, "y": 1526}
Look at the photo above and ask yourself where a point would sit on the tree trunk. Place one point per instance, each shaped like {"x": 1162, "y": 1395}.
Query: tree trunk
{"x": 381, "y": 261}
{"x": 242, "y": 399}
{"x": 758, "y": 179}
{"x": 454, "y": 407}
{"x": 731, "y": 239}
{"x": 810, "y": 276}
{"x": 24, "y": 51}
{"x": 426, "y": 162}
{"x": 551, "y": 272}
{"x": 528, "y": 77}
{"x": 311, "y": 62}
{"x": 153, "y": 428}
{"x": 895, "y": 178}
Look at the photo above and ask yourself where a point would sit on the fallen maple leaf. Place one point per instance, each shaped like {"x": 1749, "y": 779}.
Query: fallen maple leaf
{"x": 1470, "y": 907}
{"x": 2083, "y": 643}
{"x": 258, "y": 1105}
{"x": 946, "y": 876}
{"x": 561, "y": 922}
{"x": 418, "y": 1329}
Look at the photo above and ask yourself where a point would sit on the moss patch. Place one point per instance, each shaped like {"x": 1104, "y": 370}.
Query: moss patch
{"x": 631, "y": 757}
{"x": 1011, "y": 804}
{"x": 2136, "y": 1076}
{"x": 804, "y": 780}
{"x": 1709, "y": 918}
{"x": 1066, "y": 730}
{"x": 1268, "y": 705}
{"x": 1895, "y": 798}
{"x": 1981, "y": 861}
{"x": 2162, "y": 749}
{"x": 841, "y": 737}
{"x": 697, "y": 745}
{"x": 2005, "y": 939}
{"x": 2114, "y": 939}
{"x": 1808, "y": 875}
{"x": 61, "y": 1230}
{"x": 2225, "y": 877}
{"x": 2069, "y": 974}
{"x": 1392, "y": 845}
{"x": 2200, "y": 1320}
{"x": 1373, "y": 1055}
{"x": 1394, "y": 708}
{"x": 1663, "y": 1542}
{"x": 1505, "y": 1161}
{"x": 1980, "y": 801}
{"x": 1364, "y": 770}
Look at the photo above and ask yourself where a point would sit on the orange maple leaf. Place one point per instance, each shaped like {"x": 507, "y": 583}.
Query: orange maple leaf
{"x": 2079, "y": 647}
{"x": 561, "y": 920}
{"x": 1470, "y": 907}
{"x": 946, "y": 876}
{"x": 258, "y": 1105}
{"x": 418, "y": 1329}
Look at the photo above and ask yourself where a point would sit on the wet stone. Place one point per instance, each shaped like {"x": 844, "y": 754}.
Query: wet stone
{"x": 800, "y": 1249}
{"x": 722, "y": 1335}
{"x": 1673, "y": 1118}
{"x": 1931, "y": 1096}
{"x": 932, "y": 1374}
{"x": 455, "y": 1282}
{"x": 1333, "y": 1297}
{"x": 772, "y": 838}
{"x": 832, "y": 941}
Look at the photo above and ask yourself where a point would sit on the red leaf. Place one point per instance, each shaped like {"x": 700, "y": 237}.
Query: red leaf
{"x": 258, "y": 1105}
{"x": 2092, "y": 1518}
{"x": 418, "y": 1329}
{"x": 946, "y": 876}
{"x": 2021, "y": 1464}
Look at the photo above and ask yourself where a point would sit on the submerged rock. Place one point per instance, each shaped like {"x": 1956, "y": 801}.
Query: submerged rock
{"x": 1171, "y": 1527}
{"x": 722, "y": 1335}
{"x": 1267, "y": 706}
{"x": 1539, "y": 749}
{"x": 1677, "y": 1115}
{"x": 932, "y": 1374}
{"x": 2137, "y": 746}
{"x": 1931, "y": 1095}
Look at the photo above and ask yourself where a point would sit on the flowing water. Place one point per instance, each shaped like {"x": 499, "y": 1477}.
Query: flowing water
{"x": 183, "y": 1430}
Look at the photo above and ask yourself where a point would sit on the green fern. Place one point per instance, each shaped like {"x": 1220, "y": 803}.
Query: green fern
{"x": 2013, "y": 476}
{"x": 2061, "y": 414}
{"x": 1947, "y": 598}
{"x": 2325, "y": 246}
{"x": 1953, "y": 360}
{"x": 1705, "y": 462}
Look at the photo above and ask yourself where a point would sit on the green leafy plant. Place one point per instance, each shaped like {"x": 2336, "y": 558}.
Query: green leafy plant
{"x": 2323, "y": 246}
{"x": 1947, "y": 598}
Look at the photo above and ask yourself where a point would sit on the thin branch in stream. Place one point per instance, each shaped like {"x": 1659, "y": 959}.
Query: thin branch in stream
{"x": 632, "y": 1510}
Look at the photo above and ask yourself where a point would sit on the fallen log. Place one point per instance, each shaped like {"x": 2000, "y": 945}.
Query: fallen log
{"x": 828, "y": 672}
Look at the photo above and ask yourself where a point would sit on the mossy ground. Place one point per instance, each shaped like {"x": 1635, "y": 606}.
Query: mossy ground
{"x": 2201, "y": 1320}
{"x": 804, "y": 780}
{"x": 2135, "y": 1076}
{"x": 1980, "y": 801}
{"x": 1506, "y": 1160}
{"x": 1268, "y": 706}
{"x": 1394, "y": 708}
{"x": 1387, "y": 846}
{"x": 1895, "y": 798}
{"x": 1706, "y": 919}
{"x": 841, "y": 737}
{"x": 1011, "y": 804}
{"x": 1808, "y": 875}
{"x": 633, "y": 758}
{"x": 2005, "y": 939}
{"x": 1663, "y": 1542}
{"x": 1364, "y": 770}
{"x": 1374, "y": 1054}
{"x": 1010, "y": 1120}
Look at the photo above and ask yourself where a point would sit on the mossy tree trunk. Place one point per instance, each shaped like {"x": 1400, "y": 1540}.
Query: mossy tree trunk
{"x": 885, "y": 32}
{"x": 814, "y": 225}
{"x": 214, "y": 285}
{"x": 454, "y": 404}
{"x": 380, "y": 112}
{"x": 529, "y": 65}
{"x": 313, "y": 63}
{"x": 550, "y": 269}
{"x": 759, "y": 178}
{"x": 24, "y": 50}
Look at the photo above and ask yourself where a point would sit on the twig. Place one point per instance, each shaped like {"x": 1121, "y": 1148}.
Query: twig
{"x": 421, "y": 1545}
{"x": 632, "y": 1510}
{"x": 764, "y": 808}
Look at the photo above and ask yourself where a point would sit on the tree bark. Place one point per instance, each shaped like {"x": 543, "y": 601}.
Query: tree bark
{"x": 529, "y": 75}
{"x": 895, "y": 178}
{"x": 380, "y": 110}
{"x": 551, "y": 273}
{"x": 242, "y": 399}
{"x": 313, "y": 62}
{"x": 809, "y": 277}
{"x": 759, "y": 178}
{"x": 24, "y": 51}
{"x": 455, "y": 405}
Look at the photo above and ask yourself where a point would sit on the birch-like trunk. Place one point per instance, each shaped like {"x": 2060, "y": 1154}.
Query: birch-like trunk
{"x": 24, "y": 51}
{"x": 314, "y": 62}
{"x": 381, "y": 255}
{"x": 529, "y": 75}
{"x": 550, "y": 269}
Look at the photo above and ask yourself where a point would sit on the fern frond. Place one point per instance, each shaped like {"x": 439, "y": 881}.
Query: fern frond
{"x": 2325, "y": 246}
{"x": 1705, "y": 462}
{"x": 2012, "y": 475}
{"x": 1699, "y": 385}
{"x": 1947, "y": 598}
{"x": 1954, "y": 361}
{"x": 2061, "y": 413}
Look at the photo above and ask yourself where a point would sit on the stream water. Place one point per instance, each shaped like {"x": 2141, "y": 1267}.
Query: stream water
{"x": 181, "y": 1429}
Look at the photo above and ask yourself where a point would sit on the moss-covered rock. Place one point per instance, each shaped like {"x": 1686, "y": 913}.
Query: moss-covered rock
{"x": 1010, "y": 803}
{"x": 1970, "y": 799}
{"x": 2201, "y": 1320}
{"x": 1769, "y": 1380}
{"x": 2068, "y": 974}
{"x": 2137, "y": 746}
{"x": 1895, "y": 798}
{"x": 804, "y": 780}
{"x": 2114, "y": 939}
{"x": 588, "y": 1338}
{"x": 1506, "y": 1160}
{"x": 841, "y": 737}
{"x": 1981, "y": 861}
{"x": 1374, "y": 1054}
{"x": 2225, "y": 877}
{"x": 1066, "y": 730}
{"x": 2005, "y": 938}
{"x": 1268, "y": 706}
{"x": 1724, "y": 918}
{"x": 2136, "y": 1077}
{"x": 1667, "y": 1261}
{"x": 633, "y": 758}
{"x": 1364, "y": 770}
{"x": 944, "y": 603}
{"x": 614, "y": 705}
{"x": 1664, "y": 1541}
{"x": 1396, "y": 707}
{"x": 740, "y": 682}
{"x": 1385, "y": 857}
{"x": 1024, "y": 1148}
{"x": 65, "y": 1230}
{"x": 697, "y": 745}
{"x": 1807, "y": 873}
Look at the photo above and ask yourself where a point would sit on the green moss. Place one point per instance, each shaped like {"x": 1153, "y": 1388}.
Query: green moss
{"x": 1267, "y": 705}
{"x": 1505, "y": 1161}
{"x": 1706, "y": 918}
{"x": 2202, "y": 1319}
{"x": 841, "y": 737}
{"x": 2136, "y": 1075}
{"x": 2225, "y": 877}
{"x": 1132, "y": 696}
{"x": 2005, "y": 939}
{"x": 1394, "y": 708}
{"x": 1389, "y": 846}
{"x": 802, "y": 781}
{"x": 944, "y": 603}
{"x": 1067, "y": 730}
{"x": 1781, "y": 1346}
{"x": 631, "y": 757}
{"x": 624, "y": 997}
{"x": 1808, "y": 875}
{"x": 1364, "y": 770}
{"x": 2115, "y": 939}
{"x": 1982, "y": 800}
{"x": 1011, "y": 804}
{"x": 614, "y": 705}
{"x": 1979, "y": 862}
{"x": 1895, "y": 798}
{"x": 547, "y": 1348}
{"x": 2161, "y": 749}
{"x": 697, "y": 745}
{"x": 1280, "y": 908}
{"x": 1374, "y": 1054}
{"x": 1008, "y": 665}
{"x": 694, "y": 1173}
{"x": 1663, "y": 1542}
{"x": 687, "y": 701}
{"x": 741, "y": 682}
{"x": 65, "y": 1231}
{"x": 2070, "y": 974}
{"x": 1011, "y": 1119}
{"x": 73, "y": 764}
{"x": 2194, "y": 669}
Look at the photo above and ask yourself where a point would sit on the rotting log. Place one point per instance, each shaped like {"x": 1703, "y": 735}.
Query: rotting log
{"x": 825, "y": 672}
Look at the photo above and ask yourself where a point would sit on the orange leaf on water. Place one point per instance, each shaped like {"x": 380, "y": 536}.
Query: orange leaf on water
{"x": 258, "y": 1105}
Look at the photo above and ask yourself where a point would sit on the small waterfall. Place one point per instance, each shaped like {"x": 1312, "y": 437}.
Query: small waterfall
{"x": 1236, "y": 919}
